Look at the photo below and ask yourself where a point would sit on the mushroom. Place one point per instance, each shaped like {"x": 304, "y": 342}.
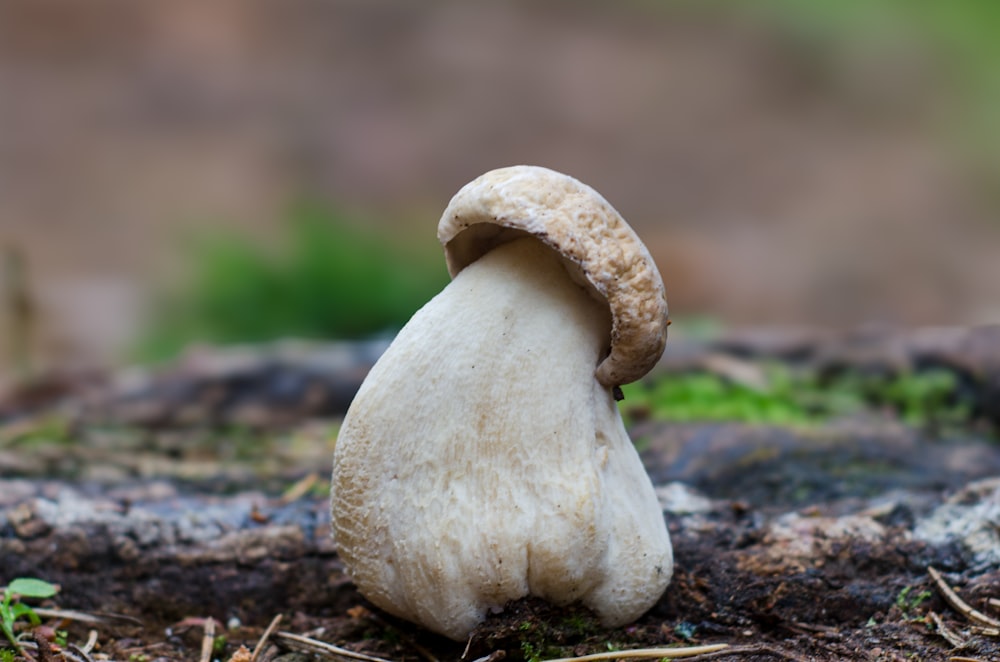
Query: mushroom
{"x": 483, "y": 459}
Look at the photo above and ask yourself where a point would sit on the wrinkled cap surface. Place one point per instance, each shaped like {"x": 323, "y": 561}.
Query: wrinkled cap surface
{"x": 578, "y": 223}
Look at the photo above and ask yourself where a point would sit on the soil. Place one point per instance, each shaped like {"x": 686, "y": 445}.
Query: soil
{"x": 790, "y": 544}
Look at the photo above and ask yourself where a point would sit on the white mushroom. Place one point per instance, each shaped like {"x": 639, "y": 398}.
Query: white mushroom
{"x": 484, "y": 459}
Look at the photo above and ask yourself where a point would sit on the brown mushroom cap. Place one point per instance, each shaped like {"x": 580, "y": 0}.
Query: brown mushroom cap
{"x": 577, "y": 222}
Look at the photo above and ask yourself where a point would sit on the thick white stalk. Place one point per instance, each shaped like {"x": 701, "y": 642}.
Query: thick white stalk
{"x": 481, "y": 461}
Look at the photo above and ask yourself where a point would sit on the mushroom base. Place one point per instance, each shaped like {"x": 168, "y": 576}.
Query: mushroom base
{"x": 482, "y": 462}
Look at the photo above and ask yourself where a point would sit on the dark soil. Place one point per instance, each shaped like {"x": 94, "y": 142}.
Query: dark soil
{"x": 789, "y": 544}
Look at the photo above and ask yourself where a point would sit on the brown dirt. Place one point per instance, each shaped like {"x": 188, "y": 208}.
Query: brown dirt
{"x": 818, "y": 586}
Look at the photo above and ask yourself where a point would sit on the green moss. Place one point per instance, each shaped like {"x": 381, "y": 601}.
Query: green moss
{"x": 908, "y": 604}
{"x": 704, "y": 396}
{"x": 324, "y": 277}
{"x": 50, "y": 430}
{"x": 579, "y": 624}
{"x": 925, "y": 399}
{"x": 530, "y": 652}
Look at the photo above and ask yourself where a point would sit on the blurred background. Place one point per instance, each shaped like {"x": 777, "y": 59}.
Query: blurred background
{"x": 180, "y": 171}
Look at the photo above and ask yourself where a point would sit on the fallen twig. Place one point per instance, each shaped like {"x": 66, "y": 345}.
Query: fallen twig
{"x": 963, "y": 607}
{"x": 299, "y": 489}
{"x": 325, "y": 647}
{"x": 68, "y": 655}
{"x": 810, "y": 627}
{"x": 124, "y": 618}
{"x": 83, "y": 653}
{"x": 24, "y": 646}
{"x": 70, "y": 615}
{"x": 264, "y": 637}
{"x": 75, "y": 653}
{"x": 952, "y": 637}
{"x": 647, "y": 653}
{"x": 755, "y": 649}
{"x": 208, "y": 640}
{"x": 362, "y": 613}
{"x": 91, "y": 641}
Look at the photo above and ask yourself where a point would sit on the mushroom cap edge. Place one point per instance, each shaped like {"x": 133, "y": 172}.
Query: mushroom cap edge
{"x": 577, "y": 222}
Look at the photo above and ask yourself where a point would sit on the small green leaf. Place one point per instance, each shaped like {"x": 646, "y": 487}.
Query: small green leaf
{"x": 30, "y": 587}
{"x": 21, "y": 609}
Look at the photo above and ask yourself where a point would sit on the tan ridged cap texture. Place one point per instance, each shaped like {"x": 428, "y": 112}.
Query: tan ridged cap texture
{"x": 577, "y": 222}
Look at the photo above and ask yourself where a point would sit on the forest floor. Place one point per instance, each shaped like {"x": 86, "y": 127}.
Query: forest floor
{"x": 181, "y": 512}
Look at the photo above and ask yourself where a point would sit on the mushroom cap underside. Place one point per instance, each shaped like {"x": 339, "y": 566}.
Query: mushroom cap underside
{"x": 578, "y": 223}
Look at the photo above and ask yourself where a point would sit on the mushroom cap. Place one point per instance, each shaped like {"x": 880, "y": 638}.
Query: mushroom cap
{"x": 579, "y": 224}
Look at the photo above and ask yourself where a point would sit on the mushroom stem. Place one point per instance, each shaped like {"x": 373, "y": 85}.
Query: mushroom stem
{"x": 482, "y": 461}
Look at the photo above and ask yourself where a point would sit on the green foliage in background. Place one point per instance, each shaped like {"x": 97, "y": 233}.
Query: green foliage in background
{"x": 323, "y": 278}
{"x": 926, "y": 399}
